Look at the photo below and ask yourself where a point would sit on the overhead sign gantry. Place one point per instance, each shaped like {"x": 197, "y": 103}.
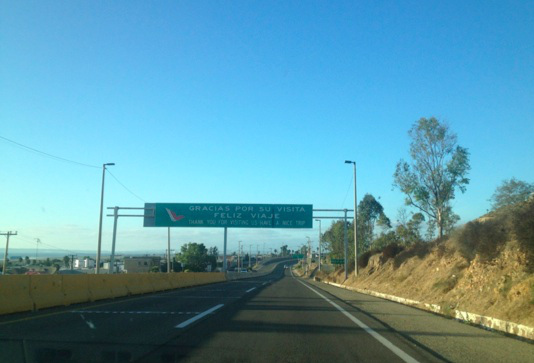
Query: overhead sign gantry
{"x": 229, "y": 215}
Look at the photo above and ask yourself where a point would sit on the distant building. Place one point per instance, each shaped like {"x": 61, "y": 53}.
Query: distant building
{"x": 140, "y": 264}
{"x": 85, "y": 263}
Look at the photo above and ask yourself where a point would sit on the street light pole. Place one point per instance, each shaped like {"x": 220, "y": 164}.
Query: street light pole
{"x": 238, "y": 257}
{"x": 99, "y": 247}
{"x": 355, "y": 221}
{"x": 318, "y": 220}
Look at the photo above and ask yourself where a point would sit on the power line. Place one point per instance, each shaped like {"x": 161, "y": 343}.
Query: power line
{"x": 68, "y": 161}
{"x": 124, "y": 186}
{"x": 26, "y": 237}
{"x": 47, "y": 154}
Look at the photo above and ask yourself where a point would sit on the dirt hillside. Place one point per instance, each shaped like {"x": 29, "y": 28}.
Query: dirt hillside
{"x": 485, "y": 267}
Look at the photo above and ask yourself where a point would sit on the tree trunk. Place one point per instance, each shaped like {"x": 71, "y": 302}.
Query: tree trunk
{"x": 440, "y": 223}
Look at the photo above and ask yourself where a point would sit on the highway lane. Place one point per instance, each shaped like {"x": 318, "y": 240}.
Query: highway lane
{"x": 122, "y": 329}
{"x": 269, "y": 318}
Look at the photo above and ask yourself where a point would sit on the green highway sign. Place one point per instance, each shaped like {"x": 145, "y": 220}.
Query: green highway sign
{"x": 228, "y": 215}
{"x": 337, "y": 261}
{"x": 298, "y": 256}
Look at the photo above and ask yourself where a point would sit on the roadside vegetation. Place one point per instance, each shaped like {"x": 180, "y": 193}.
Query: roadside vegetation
{"x": 485, "y": 266}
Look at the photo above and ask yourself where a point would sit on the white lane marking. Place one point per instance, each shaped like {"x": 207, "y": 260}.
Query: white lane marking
{"x": 132, "y": 312}
{"x": 266, "y": 282}
{"x": 249, "y": 290}
{"x": 88, "y": 322}
{"x": 400, "y": 353}
{"x": 199, "y": 316}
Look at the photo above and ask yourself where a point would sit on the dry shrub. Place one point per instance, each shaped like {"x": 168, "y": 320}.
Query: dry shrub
{"x": 391, "y": 251}
{"x": 481, "y": 238}
{"x": 363, "y": 259}
{"x": 523, "y": 226}
{"x": 419, "y": 249}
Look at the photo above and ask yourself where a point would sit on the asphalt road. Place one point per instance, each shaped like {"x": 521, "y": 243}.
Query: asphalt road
{"x": 272, "y": 318}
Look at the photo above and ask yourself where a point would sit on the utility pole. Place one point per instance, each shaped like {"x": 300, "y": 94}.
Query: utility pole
{"x": 37, "y": 241}
{"x": 72, "y": 262}
{"x": 7, "y": 234}
{"x": 99, "y": 246}
{"x": 249, "y": 254}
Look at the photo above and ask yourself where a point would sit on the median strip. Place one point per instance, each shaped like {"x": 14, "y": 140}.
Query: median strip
{"x": 199, "y": 316}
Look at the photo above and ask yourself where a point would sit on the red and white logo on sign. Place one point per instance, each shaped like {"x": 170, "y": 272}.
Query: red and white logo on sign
{"x": 173, "y": 216}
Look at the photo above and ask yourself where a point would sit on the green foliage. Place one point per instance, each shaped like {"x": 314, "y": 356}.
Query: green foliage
{"x": 66, "y": 261}
{"x": 385, "y": 239}
{"x": 439, "y": 167}
{"x": 284, "y": 250}
{"x": 409, "y": 232}
{"x": 194, "y": 257}
{"x": 333, "y": 239}
{"x": 370, "y": 212}
{"x": 510, "y": 192}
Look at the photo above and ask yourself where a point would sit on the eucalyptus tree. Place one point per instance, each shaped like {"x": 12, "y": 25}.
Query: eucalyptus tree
{"x": 439, "y": 166}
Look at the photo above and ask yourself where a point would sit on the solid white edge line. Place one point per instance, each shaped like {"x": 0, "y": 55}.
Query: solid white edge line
{"x": 199, "y": 316}
{"x": 249, "y": 290}
{"x": 400, "y": 353}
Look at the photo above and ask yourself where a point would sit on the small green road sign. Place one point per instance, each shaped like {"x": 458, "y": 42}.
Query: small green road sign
{"x": 228, "y": 215}
{"x": 298, "y": 256}
{"x": 337, "y": 261}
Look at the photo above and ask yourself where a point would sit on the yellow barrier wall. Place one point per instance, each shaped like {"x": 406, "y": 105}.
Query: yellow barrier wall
{"x": 29, "y": 292}
{"x": 46, "y": 291}
{"x": 76, "y": 289}
{"x": 139, "y": 283}
{"x": 160, "y": 281}
{"x": 15, "y": 294}
{"x": 117, "y": 284}
{"x": 99, "y": 288}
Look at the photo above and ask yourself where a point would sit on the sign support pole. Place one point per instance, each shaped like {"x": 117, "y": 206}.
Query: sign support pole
{"x": 225, "y": 263}
{"x": 112, "y": 259}
{"x": 169, "y": 250}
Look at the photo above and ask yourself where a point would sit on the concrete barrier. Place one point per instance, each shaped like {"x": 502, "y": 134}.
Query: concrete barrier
{"x": 29, "y": 292}
{"x": 138, "y": 283}
{"x": 181, "y": 279}
{"x": 15, "y": 294}
{"x": 46, "y": 291}
{"x": 76, "y": 289}
{"x": 118, "y": 285}
{"x": 160, "y": 281}
{"x": 99, "y": 288}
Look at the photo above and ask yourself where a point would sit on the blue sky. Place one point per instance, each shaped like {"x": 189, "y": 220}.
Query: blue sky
{"x": 248, "y": 102}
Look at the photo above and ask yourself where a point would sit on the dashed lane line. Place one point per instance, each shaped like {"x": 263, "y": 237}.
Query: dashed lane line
{"x": 134, "y": 312}
{"x": 251, "y": 289}
{"x": 199, "y": 316}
